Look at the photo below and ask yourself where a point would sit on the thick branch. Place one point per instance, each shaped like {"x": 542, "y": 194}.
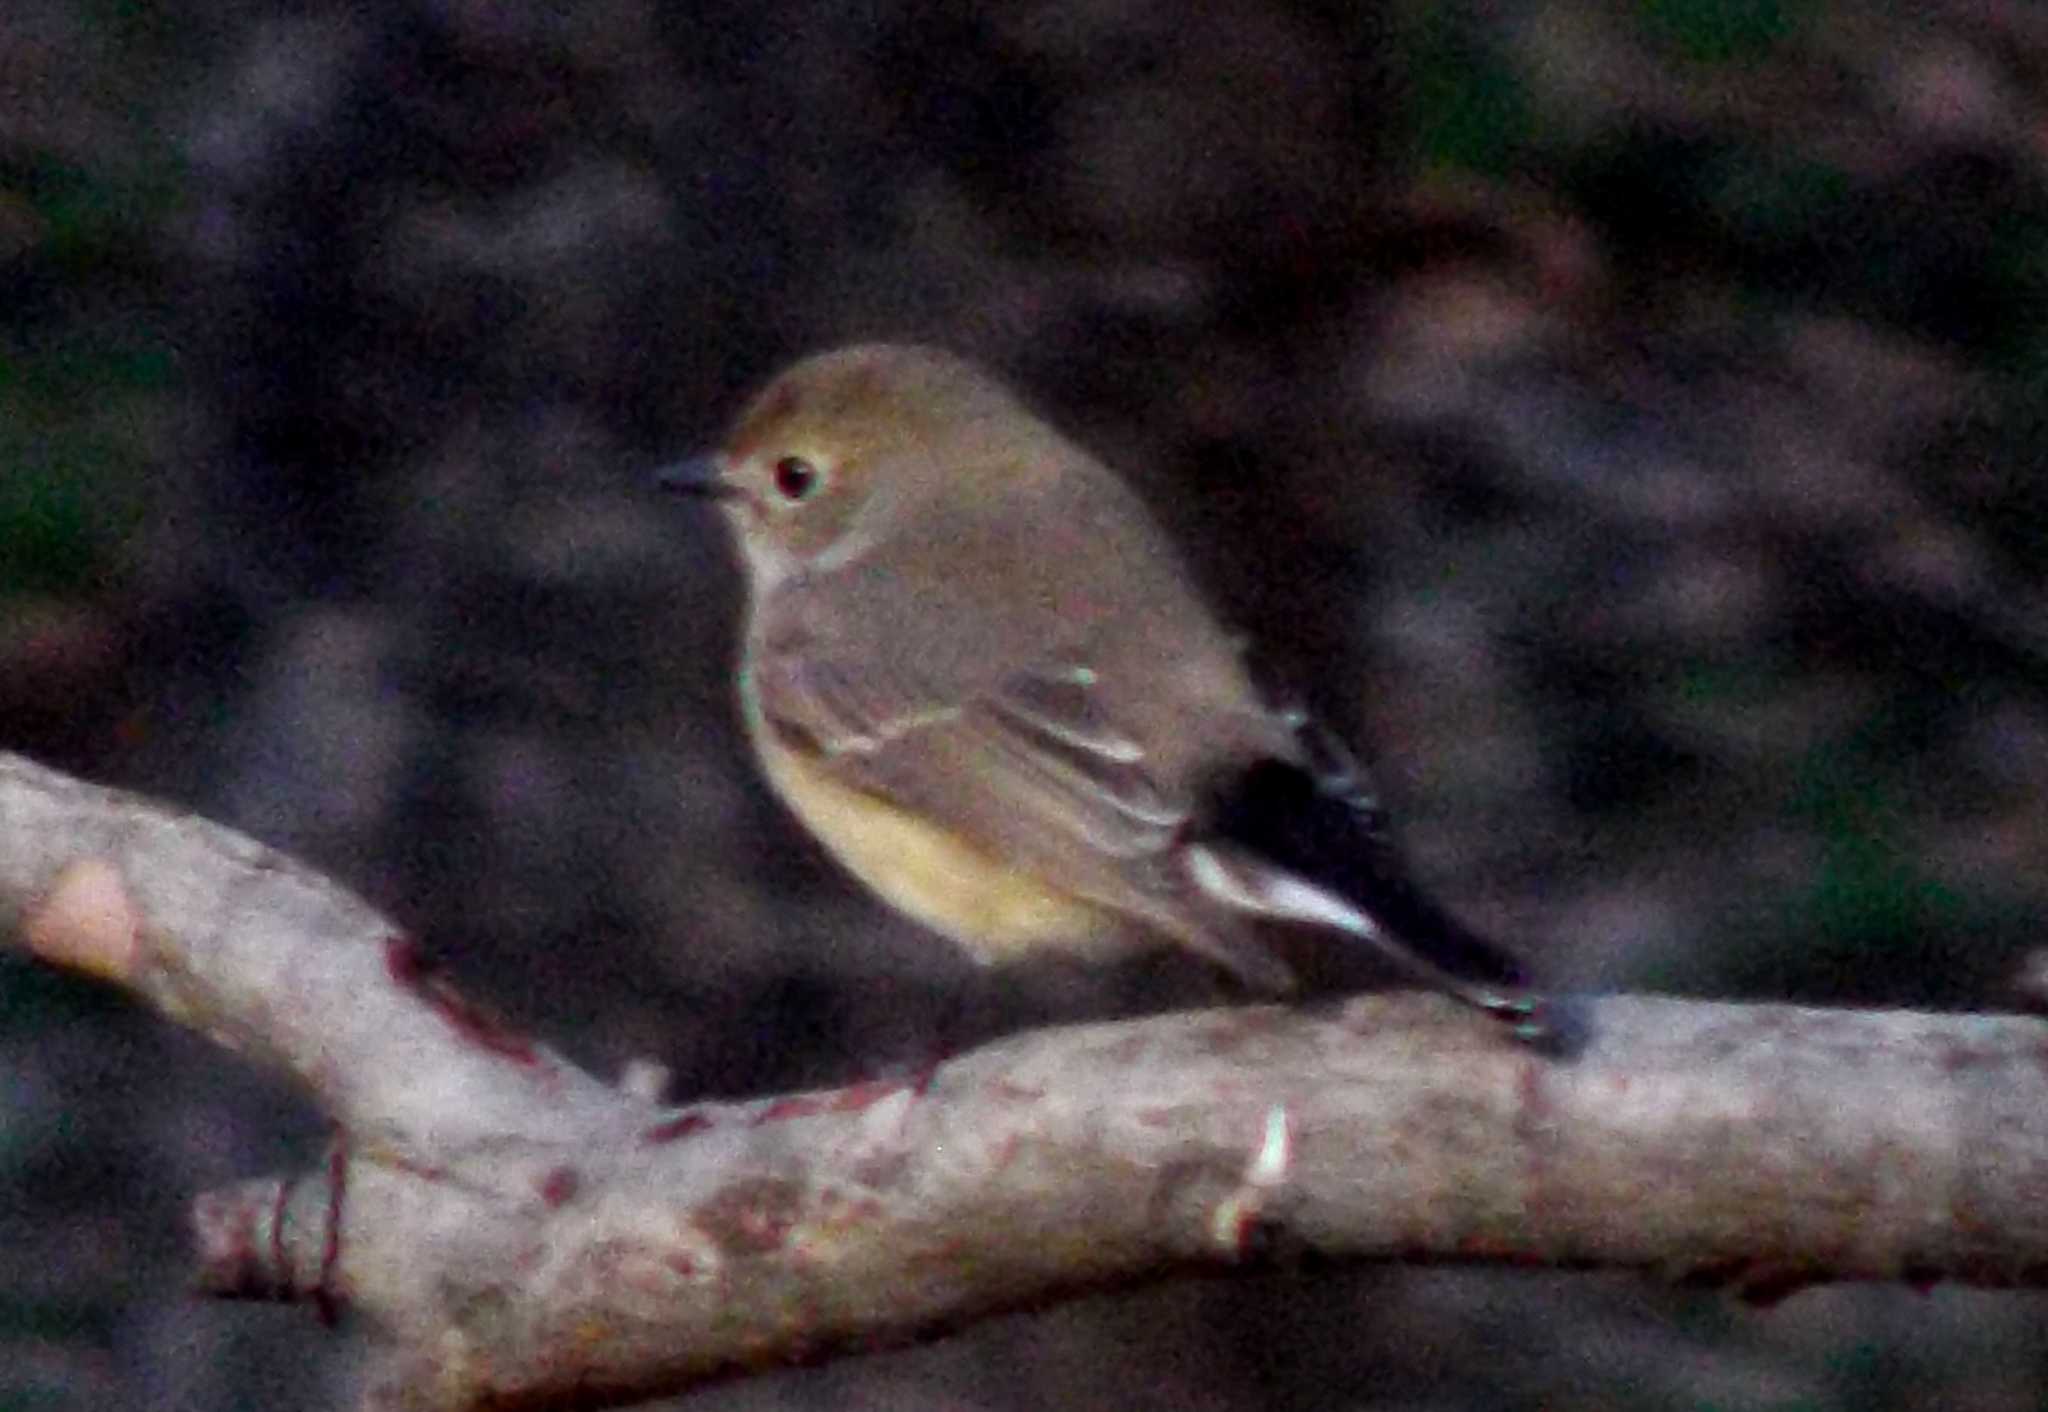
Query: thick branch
{"x": 527, "y": 1236}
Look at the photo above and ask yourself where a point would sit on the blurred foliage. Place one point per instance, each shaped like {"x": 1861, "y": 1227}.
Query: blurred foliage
{"x": 86, "y": 374}
{"x": 1721, "y": 31}
{"x": 1466, "y": 106}
{"x": 33, "y": 996}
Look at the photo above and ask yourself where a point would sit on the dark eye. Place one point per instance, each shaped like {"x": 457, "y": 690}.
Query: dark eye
{"x": 796, "y": 478}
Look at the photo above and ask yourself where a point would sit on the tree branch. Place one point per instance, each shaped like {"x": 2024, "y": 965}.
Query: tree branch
{"x": 523, "y": 1235}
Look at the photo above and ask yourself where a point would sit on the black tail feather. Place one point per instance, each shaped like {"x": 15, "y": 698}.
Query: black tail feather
{"x": 1328, "y": 833}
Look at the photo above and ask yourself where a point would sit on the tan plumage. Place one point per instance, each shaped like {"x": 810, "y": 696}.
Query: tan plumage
{"x": 978, "y": 671}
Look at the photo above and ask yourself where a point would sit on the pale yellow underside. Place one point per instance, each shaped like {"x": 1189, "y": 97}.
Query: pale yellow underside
{"x": 993, "y": 910}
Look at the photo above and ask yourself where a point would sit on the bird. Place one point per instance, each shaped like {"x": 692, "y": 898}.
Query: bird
{"x": 978, "y": 670}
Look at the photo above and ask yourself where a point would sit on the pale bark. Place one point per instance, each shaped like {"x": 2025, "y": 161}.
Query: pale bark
{"x": 520, "y": 1233}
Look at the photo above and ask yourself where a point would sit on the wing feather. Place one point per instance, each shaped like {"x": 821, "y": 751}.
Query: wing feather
{"x": 1031, "y": 767}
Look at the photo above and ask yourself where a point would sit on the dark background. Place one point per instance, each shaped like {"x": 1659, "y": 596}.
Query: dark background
{"x": 1627, "y": 417}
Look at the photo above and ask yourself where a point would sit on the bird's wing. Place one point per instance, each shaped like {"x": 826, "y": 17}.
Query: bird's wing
{"x": 1036, "y": 769}
{"x": 1030, "y": 766}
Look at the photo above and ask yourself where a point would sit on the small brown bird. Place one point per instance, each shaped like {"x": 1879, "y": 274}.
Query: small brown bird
{"x": 976, "y": 669}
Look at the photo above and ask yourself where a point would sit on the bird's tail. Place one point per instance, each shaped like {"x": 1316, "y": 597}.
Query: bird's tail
{"x": 1308, "y": 844}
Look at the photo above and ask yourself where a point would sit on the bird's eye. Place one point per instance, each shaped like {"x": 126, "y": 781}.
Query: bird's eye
{"x": 796, "y": 478}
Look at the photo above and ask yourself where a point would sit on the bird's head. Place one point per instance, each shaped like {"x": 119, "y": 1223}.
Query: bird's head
{"x": 846, "y": 446}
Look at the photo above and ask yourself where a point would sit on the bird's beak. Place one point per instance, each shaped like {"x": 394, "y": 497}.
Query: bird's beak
{"x": 697, "y": 475}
